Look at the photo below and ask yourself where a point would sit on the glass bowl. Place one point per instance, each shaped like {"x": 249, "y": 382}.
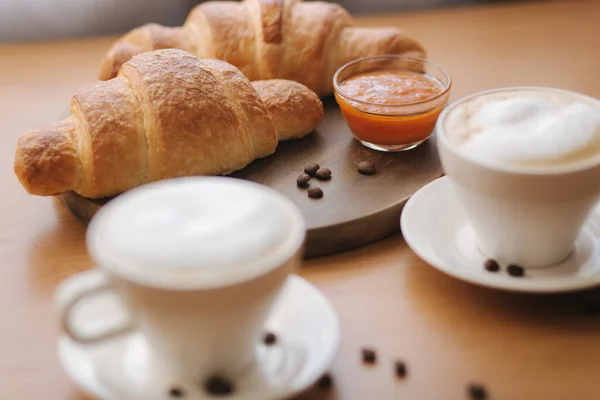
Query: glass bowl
{"x": 388, "y": 124}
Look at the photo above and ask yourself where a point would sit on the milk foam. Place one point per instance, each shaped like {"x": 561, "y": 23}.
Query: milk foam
{"x": 527, "y": 127}
{"x": 193, "y": 228}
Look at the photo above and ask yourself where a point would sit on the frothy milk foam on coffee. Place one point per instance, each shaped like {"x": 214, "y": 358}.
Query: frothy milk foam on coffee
{"x": 214, "y": 227}
{"x": 527, "y": 128}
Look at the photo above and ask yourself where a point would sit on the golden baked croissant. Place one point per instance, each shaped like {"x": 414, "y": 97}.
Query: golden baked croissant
{"x": 266, "y": 39}
{"x": 167, "y": 114}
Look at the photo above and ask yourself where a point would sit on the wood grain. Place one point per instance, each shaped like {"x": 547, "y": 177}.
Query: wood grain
{"x": 356, "y": 209}
{"x": 450, "y": 333}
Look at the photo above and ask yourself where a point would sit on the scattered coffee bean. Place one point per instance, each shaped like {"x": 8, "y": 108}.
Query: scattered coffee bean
{"x": 270, "y": 339}
{"x": 311, "y": 169}
{"x": 175, "y": 392}
{"x": 515, "y": 270}
{"x": 492, "y": 265}
{"x": 315, "y": 193}
{"x": 303, "y": 180}
{"x": 323, "y": 174}
{"x": 218, "y": 386}
{"x": 369, "y": 356}
{"x": 477, "y": 392}
{"x": 400, "y": 369}
{"x": 591, "y": 308}
{"x": 325, "y": 382}
{"x": 366, "y": 168}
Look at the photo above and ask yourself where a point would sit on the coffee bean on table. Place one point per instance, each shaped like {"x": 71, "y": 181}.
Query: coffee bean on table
{"x": 303, "y": 180}
{"x": 311, "y": 169}
{"x": 366, "y": 168}
{"x": 270, "y": 338}
{"x": 175, "y": 392}
{"x": 491, "y": 265}
{"x": 477, "y": 392}
{"x": 400, "y": 369}
{"x": 515, "y": 270}
{"x": 369, "y": 356}
{"x": 315, "y": 193}
{"x": 323, "y": 174}
{"x": 325, "y": 382}
{"x": 218, "y": 386}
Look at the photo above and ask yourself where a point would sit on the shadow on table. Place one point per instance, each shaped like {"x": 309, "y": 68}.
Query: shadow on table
{"x": 316, "y": 393}
{"x": 312, "y": 394}
{"x": 57, "y": 253}
{"x": 447, "y": 298}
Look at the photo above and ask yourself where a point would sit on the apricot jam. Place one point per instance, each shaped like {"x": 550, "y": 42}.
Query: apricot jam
{"x": 390, "y": 87}
{"x": 391, "y": 109}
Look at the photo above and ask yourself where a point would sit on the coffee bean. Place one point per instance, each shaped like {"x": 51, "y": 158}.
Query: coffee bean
{"x": 311, "y": 169}
{"x": 325, "y": 382}
{"x": 218, "y": 386}
{"x": 270, "y": 339}
{"x": 515, "y": 270}
{"x": 477, "y": 392}
{"x": 369, "y": 356}
{"x": 323, "y": 174}
{"x": 492, "y": 265}
{"x": 366, "y": 168}
{"x": 400, "y": 369}
{"x": 303, "y": 180}
{"x": 315, "y": 193}
{"x": 591, "y": 308}
{"x": 175, "y": 392}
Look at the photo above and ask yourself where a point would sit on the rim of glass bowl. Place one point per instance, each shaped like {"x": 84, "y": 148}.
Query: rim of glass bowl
{"x": 340, "y": 92}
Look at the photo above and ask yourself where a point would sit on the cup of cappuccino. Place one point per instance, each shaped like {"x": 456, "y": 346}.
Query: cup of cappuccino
{"x": 198, "y": 264}
{"x": 525, "y": 164}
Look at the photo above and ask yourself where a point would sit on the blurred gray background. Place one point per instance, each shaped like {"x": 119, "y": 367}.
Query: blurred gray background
{"x": 33, "y": 20}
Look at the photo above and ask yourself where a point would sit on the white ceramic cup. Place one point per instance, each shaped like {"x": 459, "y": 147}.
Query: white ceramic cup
{"x": 197, "y": 263}
{"x": 526, "y": 217}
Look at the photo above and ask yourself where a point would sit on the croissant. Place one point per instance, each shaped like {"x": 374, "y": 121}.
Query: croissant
{"x": 267, "y": 39}
{"x": 166, "y": 114}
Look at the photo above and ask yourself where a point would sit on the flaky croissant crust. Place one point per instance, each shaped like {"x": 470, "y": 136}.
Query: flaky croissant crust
{"x": 167, "y": 114}
{"x": 301, "y": 41}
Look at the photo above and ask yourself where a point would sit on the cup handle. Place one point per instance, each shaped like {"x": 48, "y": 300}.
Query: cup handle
{"x": 75, "y": 289}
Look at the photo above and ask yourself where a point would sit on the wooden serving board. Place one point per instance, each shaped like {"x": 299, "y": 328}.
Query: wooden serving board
{"x": 355, "y": 209}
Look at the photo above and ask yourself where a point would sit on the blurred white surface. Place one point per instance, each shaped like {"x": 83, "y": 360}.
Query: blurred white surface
{"x": 25, "y": 20}
{"x": 49, "y": 19}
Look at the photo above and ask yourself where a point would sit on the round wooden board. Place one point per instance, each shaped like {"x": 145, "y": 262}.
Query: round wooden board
{"x": 355, "y": 209}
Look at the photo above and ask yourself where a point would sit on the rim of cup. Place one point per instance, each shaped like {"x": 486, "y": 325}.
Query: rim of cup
{"x": 547, "y": 170}
{"x": 284, "y": 251}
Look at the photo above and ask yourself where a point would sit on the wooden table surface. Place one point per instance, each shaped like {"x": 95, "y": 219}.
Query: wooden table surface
{"x": 449, "y": 333}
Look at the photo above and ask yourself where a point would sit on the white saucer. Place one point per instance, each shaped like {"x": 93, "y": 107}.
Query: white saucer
{"x": 308, "y": 335}
{"x": 434, "y": 225}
